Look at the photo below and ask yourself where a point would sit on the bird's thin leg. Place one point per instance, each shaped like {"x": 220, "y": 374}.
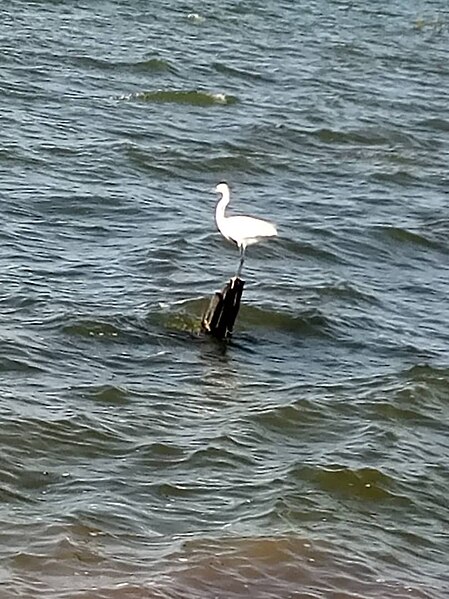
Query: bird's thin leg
{"x": 242, "y": 259}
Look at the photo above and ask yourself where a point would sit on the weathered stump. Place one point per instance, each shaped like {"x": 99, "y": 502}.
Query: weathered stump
{"x": 219, "y": 318}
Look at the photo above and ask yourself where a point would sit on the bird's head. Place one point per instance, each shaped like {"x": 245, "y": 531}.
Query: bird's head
{"x": 222, "y": 188}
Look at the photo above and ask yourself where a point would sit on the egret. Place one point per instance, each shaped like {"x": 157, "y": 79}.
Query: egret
{"x": 242, "y": 230}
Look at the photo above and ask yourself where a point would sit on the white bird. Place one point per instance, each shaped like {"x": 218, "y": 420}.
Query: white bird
{"x": 242, "y": 230}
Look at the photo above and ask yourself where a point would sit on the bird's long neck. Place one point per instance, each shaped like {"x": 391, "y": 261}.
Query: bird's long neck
{"x": 221, "y": 207}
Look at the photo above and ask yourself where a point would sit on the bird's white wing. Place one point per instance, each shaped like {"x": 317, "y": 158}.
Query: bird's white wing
{"x": 246, "y": 230}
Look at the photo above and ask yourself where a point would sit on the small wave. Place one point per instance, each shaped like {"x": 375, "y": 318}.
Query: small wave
{"x": 428, "y": 373}
{"x": 172, "y": 491}
{"x": 184, "y": 316}
{"x": 151, "y": 65}
{"x": 108, "y": 394}
{"x": 192, "y": 97}
{"x": 9, "y": 155}
{"x": 63, "y": 550}
{"x": 371, "y": 136}
{"x": 92, "y": 328}
{"x": 14, "y": 365}
{"x": 302, "y": 248}
{"x": 344, "y": 290}
{"x": 218, "y": 458}
{"x": 406, "y": 236}
{"x": 398, "y": 177}
{"x": 366, "y": 484}
{"x": 232, "y": 163}
{"x": 66, "y": 436}
{"x": 389, "y": 411}
{"x": 114, "y": 328}
{"x": 308, "y": 323}
{"x": 288, "y": 419}
{"x": 437, "y": 124}
{"x": 9, "y": 494}
{"x": 171, "y": 163}
{"x": 242, "y": 74}
{"x": 159, "y": 453}
{"x": 425, "y": 385}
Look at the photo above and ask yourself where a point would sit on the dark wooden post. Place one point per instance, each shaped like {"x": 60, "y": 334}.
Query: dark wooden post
{"x": 218, "y": 320}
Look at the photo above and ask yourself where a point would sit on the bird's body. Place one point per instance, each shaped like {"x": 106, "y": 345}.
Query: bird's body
{"x": 242, "y": 230}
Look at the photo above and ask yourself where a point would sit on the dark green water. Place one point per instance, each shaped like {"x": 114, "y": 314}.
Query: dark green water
{"x": 309, "y": 458}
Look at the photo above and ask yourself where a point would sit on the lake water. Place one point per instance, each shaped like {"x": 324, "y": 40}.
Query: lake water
{"x": 308, "y": 458}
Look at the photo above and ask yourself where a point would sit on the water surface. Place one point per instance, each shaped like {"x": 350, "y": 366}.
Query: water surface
{"x": 307, "y": 458}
